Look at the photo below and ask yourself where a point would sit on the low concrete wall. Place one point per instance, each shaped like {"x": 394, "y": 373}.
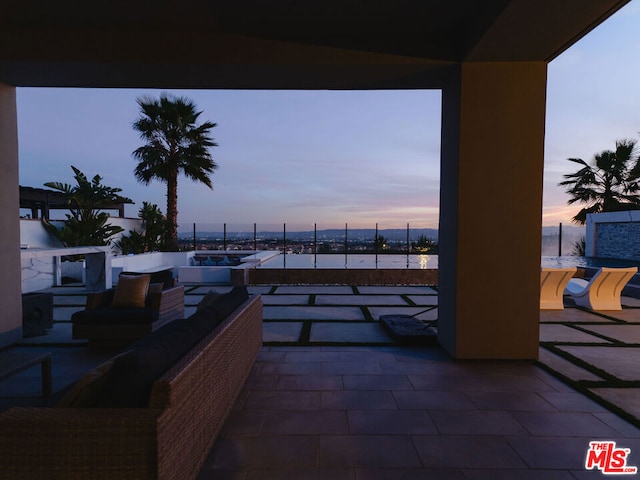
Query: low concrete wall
{"x": 331, "y": 276}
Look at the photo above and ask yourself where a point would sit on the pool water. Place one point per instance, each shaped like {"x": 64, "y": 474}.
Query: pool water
{"x": 399, "y": 261}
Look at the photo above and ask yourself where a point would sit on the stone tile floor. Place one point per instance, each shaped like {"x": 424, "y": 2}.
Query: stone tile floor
{"x": 332, "y": 396}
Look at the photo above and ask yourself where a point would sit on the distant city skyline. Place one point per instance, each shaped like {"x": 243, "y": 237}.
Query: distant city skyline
{"x": 330, "y": 157}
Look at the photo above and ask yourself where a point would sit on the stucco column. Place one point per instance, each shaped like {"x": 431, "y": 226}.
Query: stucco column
{"x": 10, "y": 284}
{"x": 490, "y": 210}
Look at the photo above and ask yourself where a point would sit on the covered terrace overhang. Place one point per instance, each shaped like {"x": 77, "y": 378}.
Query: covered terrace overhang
{"x": 489, "y": 59}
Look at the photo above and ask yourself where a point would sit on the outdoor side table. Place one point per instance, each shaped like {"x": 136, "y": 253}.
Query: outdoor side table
{"x": 12, "y": 363}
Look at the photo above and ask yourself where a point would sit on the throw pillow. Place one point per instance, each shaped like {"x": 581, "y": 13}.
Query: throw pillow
{"x": 131, "y": 291}
{"x": 84, "y": 393}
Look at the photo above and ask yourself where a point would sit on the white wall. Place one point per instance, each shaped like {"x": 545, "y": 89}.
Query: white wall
{"x": 33, "y": 233}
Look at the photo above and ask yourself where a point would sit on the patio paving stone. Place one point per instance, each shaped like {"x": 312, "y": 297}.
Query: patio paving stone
{"x": 360, "y": 300}
{"x": 63, "y": 314}
{"x": 565, "y": 367}
{"x": 348, "y": 332}
{"x": 312, "y": 313}
{"x": 281, "y": 331}
{"x": 429, "y": 315}
{"x": 629, "y": 397}
{"x": 624, "y": 333}
{"x": 621, "y": 362}
{"x": 315, "y": 289}
{"x": 563, "y": 333}
{"x": 424, "y": 299}
{"x": 631, "y": 315}
{"x": 285, "y": 299}
{"x": 399, "y": 290}
{"x": 570, "y": 315}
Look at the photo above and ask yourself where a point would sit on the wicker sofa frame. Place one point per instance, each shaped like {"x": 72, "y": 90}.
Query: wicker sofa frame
{"x": 170, "y": 439}
{"x": 169, "y": 305}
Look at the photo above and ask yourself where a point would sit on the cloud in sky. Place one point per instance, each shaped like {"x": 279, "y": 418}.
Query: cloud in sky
{"x": 330, "y": 157}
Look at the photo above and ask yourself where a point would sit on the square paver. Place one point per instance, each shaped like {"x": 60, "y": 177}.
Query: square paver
{"x": 624, "y": 333}
{"x": 285, "y": 299}
{"x": 466, "y": 451}
{"x": 398, "y": 290}
{"x": 565, "y": 367}
{"x": 312, "y": 313}
{"x": 281, "y": 331}
{"x": 360, "y": 300}
{"x": 627, "y": 399}
{"x": 630, "y": 301}
{"x": 348, "y": 332}
{"x": 315, "y": 289}
{"x": 563, "y": 333}
{"x": 259, "y": 289}
{"x": 570, "y": 315}
{"x": 626, "y": 314}
{"x": 618, "y": 361}
{"x": 419, "y": 312}
{"x": 386, "y": 451}
{"x": 424, "y": 299}
{"x": 63, "y": 314}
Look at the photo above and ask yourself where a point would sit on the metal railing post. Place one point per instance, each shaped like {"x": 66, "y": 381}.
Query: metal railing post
{"x": 408, "y": 245}
{"x": 346, "y": 246}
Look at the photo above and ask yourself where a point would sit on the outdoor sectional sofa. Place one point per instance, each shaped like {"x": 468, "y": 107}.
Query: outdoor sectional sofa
{"x": 129, "y": 419}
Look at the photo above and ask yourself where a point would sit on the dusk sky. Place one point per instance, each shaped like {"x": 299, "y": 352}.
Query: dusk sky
{"x": 330, "y": 157}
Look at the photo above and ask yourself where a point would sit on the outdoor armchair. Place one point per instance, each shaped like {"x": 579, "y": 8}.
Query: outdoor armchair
{"x": 603, "y": 291}
{"x": 114, "y": 318}
{"x": 552, "y": 284}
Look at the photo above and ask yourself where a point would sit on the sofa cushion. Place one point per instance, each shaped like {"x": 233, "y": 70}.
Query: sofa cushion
{"x": 129, "y": 382}
{"x": 116, "y": 316}
{"x": 209, "y": 299}
{"x": 226, "y": 303}
{"x": 131, "y": 291}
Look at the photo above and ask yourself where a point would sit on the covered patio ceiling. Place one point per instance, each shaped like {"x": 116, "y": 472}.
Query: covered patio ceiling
{"x": 331, "y": 44}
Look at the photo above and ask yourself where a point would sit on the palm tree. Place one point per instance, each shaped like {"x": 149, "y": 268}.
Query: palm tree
{"x": 175, "y": 144}
{"x": 610, "y": 184}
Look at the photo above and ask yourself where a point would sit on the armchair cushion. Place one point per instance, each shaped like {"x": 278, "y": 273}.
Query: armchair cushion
{"x": 131, "y": 291}
{"x": 115, "y": 316}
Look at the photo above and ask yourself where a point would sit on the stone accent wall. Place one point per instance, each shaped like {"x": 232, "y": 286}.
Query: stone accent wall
{"x": 618, "y": 240}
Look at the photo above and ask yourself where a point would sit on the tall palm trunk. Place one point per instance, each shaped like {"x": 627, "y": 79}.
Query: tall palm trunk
{"x": 172, "y": 213}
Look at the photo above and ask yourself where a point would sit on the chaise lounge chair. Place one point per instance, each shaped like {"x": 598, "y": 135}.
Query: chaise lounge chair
{"x": 552, "y": 284}
{"x": 603, "y": 291}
